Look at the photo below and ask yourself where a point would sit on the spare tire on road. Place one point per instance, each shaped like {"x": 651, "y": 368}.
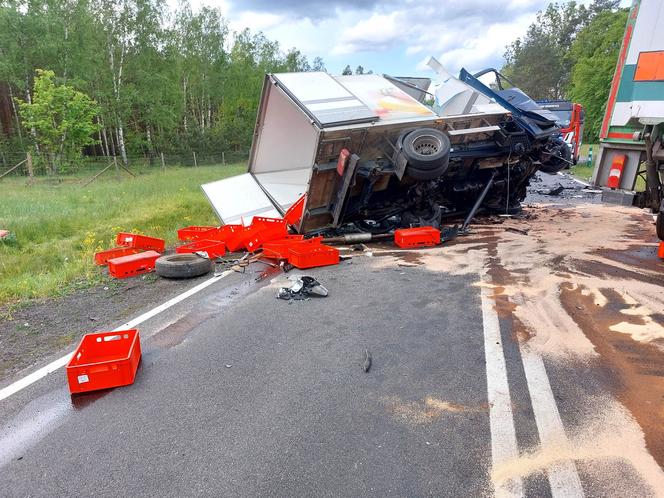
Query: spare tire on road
{"x": 182, "y": 266}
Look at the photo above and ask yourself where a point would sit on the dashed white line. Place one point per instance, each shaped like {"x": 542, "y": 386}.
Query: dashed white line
{"x": 501, "y": 420}
{"x": 61, "y": 362}
{"x": 563, "y": 476}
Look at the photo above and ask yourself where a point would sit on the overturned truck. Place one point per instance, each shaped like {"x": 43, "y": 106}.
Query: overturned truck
{"x": 368, "y": 153}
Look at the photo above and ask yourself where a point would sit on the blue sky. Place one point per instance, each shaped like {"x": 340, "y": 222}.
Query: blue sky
{"x": 389, "y": 36}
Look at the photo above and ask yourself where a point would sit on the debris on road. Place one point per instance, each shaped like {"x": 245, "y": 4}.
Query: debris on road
{"x": 182, "y": 266}
{"x": 367, "y": 361}
{"x": 417, "y": 237}
{"x": 103, "y": 360}
{"x": 133, "y": 264}
{"x": 302, "y": 287}
{"x": 557, "y": 190}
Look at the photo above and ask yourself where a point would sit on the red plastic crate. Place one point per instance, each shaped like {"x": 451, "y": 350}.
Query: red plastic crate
{"x": 103, "y": 360}
{"x": 263, "y": 230}
{"x": 278, "y": 249}
{"x": 102, "y": 257}
{"x": 140, "y": 241}
{"x": 194, "y": 232}
{"x": 294, "y": 213}
{"x": 417, "y": 237}
{"x": 134, "y": 264}
{"x": 312, "y": 255}
{"x": 213, "y": 248}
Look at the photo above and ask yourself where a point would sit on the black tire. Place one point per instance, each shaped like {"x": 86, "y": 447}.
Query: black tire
{"x": 659, "y": 224}
{"x": 424, "y": 174}
{"x": 426, "y": 149}
{"x": 553, "y": 165}
{"x": 182, "y": 266}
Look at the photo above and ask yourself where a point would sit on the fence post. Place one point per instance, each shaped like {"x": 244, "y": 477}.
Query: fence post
{"x": 163, "y": 165}
{"x": 195, "y": 163}
{"x": 223, "y": 158}
{"x": 28, "y": 157}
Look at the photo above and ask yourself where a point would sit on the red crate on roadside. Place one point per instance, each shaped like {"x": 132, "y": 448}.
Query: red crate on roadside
{"x": 102, "y": 257}
{"x": 103, "y": 360}
{"x": 140, "y": 241}
{"x": 312, "y": 255}
{"x": 213, "y": 248}
{"x": 134, "y": 264}
{"x": 294, "y": 213}
{"x": 194, "y": 232}
{"x": 417, "y": 237}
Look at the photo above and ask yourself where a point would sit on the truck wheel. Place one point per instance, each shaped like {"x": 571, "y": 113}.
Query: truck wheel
{"x": 553, "y": 165}
{"x": 425, "y": 174}
{"x": 182, "y": 266}
{"x": 426, "y": 149}
{"x": 660, "y": 225}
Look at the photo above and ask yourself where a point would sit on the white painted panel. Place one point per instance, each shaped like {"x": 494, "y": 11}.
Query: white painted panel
{"x": 648, "y": 30}
{"x": 238, "y": 199}
{"x": 285, "y": 187}
{"x": 287, "y": 139}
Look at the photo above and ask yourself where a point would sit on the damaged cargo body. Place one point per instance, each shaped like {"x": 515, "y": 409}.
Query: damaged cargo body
{"x": 366, "y": 152}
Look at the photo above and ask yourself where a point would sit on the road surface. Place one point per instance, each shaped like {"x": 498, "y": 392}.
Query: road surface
{"x": 497, "y": 368}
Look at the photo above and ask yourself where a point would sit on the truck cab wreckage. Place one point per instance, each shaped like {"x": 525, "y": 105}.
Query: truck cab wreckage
{"x": 370, "y": 155}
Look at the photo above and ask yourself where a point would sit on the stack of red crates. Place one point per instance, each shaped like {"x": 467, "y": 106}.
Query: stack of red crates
{"x": 135, "y": 254}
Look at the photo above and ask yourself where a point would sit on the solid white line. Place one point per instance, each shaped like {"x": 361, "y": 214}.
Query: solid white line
{"x": 563, "y": 476}
{"x": 501, "y": 420}
{"x": 61, "y": 362}
{"x": 575, "y": 179}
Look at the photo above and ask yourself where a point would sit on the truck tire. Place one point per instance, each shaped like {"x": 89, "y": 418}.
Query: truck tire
{"x": 660, "y": 225}
{"x": 553, "y": 165}
{"x": 182, "y": 266}
{"x": 425, "y": 174}
{"x": 426, "y": 149}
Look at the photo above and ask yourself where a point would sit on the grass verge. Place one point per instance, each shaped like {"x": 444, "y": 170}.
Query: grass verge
{"x": 57, "y": 227}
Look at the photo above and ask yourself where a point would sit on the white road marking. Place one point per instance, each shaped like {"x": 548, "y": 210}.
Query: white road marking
{"x": 61, "y": 362}
{"x": 563, "y": 476}
{"x": 501, "y": 420}
{"x": 575, "y": 179}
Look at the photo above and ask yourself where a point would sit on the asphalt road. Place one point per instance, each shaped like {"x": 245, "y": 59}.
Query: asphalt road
{"x": 241, "y": 394}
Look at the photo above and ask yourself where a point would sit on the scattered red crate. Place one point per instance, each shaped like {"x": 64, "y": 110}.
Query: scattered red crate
{"x": 294, "y": 213}
{"x": 140, "y": 241}
{"x": 213, "y": 248}
{"x": 102, "y": 257}
{"x": 134, "y": 264}
{"x": 278, "y": 249}
{"x": 263, "y": 230}
{"x": 660, "y": 251}
{"x": 103, "y": 360}
{"x": 312, "y": 255}
{"x": 194, "y": 232}
{"x": 417, "y": 237}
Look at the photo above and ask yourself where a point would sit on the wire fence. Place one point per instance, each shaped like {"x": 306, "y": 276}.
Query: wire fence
{"x": 17, "y": 164}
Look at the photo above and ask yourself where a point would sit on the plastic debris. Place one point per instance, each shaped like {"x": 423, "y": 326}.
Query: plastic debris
{"x": 302, "y": 287}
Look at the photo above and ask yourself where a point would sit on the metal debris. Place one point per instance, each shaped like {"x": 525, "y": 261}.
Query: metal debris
{"x": 302, "y": 287}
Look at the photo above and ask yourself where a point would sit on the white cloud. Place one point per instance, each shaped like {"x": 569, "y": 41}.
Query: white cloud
{"x": 389, "y": 35}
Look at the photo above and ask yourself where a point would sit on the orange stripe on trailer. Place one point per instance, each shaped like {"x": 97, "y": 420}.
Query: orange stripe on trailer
{"x": 616, "y": 80}
{"x": 620, "y": 135}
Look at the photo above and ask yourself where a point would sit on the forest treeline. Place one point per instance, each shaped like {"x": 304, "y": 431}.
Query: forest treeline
{"x": 163, "y": 81}
{"x": 153, "y": 80}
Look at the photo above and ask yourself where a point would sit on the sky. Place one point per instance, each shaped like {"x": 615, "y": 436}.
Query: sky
{"x": 389, "y": 36}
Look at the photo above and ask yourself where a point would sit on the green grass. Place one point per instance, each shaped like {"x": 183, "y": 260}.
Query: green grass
{"x": 583, "y": 170}
{"x": 58, "y": 225}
